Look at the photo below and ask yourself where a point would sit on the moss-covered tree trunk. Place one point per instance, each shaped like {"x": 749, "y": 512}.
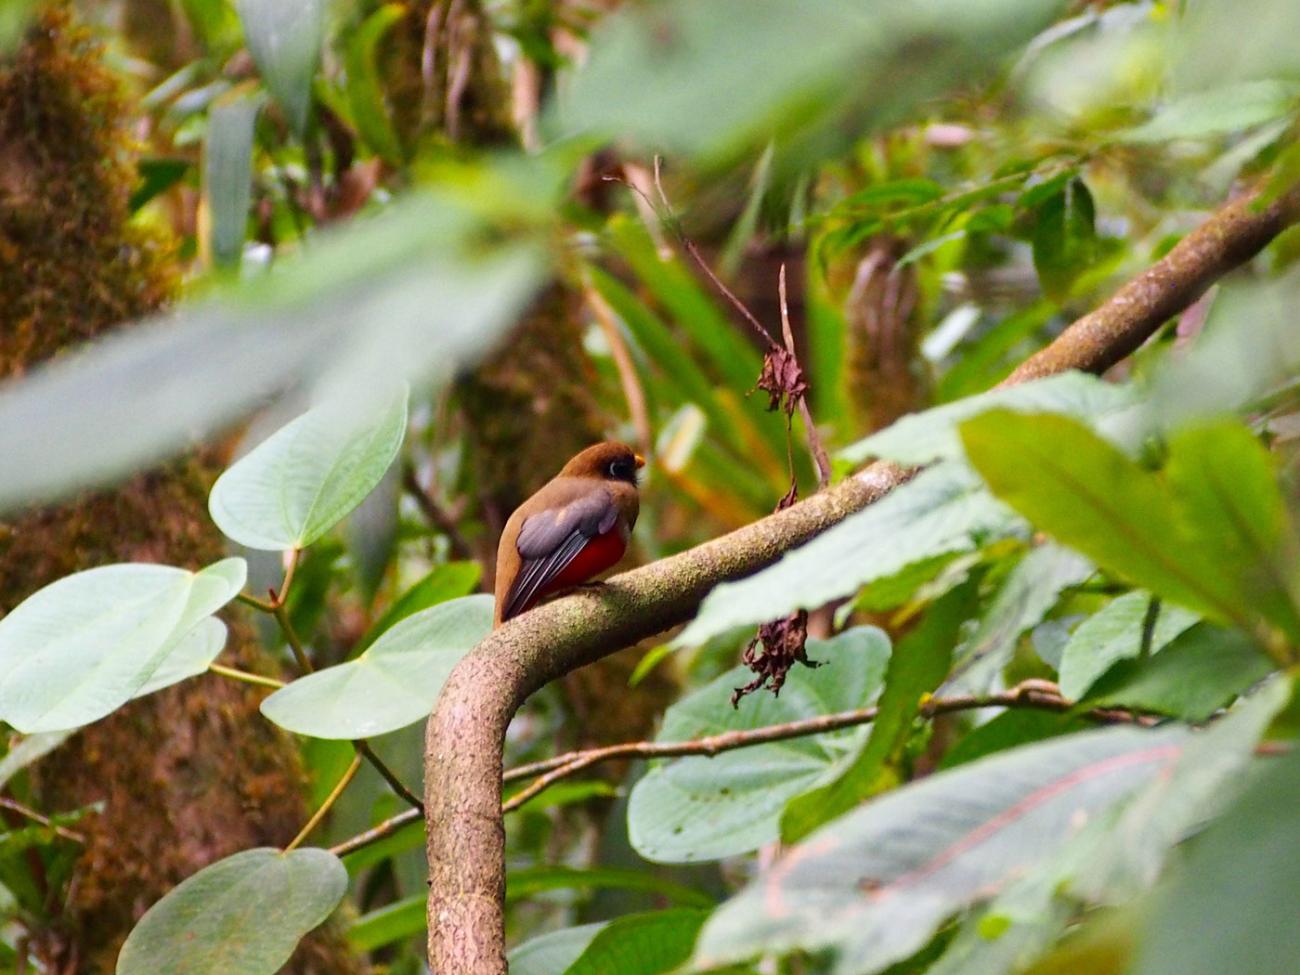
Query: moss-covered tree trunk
{"x": 193, "y": 773}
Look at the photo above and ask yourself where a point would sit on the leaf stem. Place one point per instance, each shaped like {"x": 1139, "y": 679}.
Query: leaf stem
{"x": 245, "y": 676}
{"x": 42, "y": 819}
{"x": 325, "y": 806}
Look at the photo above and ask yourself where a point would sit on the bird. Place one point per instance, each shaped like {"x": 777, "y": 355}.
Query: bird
{"x": 575, "y": 527}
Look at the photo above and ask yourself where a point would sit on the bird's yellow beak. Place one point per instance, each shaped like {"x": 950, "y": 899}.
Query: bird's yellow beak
{"x": 640, "y": 461}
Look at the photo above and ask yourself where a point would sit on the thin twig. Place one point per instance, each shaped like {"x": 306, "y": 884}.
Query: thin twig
{"x": 363, "y": 748}
{"x": 814, "y": 438}
{"x": 632, "y": 391}
{"x": 245, "y": 676}
{"x": 377, "y": 832}
{"x": 277, "y": 597}
{"x": 325, "y": 806}
{"x": 44, "y": 820}
{"x": 433, "y": 511}
{"x": 291, "y": 637}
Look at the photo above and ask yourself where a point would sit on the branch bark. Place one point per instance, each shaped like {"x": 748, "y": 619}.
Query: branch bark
{"x": 466, "y": 732}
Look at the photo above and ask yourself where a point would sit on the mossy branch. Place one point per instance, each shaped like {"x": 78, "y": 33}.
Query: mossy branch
{"x": 465, "y": 735}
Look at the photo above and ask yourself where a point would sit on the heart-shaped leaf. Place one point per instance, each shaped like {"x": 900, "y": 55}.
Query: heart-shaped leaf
{"x": 700, "y": 808}
{"x": 297, "y": 484}
{"x": 85, "y": 645}
{"x": 394, "y": 683}
{"x": 189, "y": 657}
{"x": 242, "y": 915}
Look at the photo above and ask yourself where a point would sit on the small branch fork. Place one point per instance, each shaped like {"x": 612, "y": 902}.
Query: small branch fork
{"x": 465, "y": 842}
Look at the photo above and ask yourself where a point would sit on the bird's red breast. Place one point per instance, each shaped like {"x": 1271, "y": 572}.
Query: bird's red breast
{"x": 574, "y": 528}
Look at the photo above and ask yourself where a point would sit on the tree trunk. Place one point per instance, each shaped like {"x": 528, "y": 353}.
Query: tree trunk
{"x": 193, "y": 773}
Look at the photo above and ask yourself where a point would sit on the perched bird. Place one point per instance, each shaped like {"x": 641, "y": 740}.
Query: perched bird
{"x": 574, "y": 528}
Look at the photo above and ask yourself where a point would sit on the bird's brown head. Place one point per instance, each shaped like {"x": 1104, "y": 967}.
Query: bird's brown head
{"x": 610, "y": 461}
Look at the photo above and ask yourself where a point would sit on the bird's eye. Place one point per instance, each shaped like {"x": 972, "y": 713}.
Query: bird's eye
{"x": 621, "y": 469}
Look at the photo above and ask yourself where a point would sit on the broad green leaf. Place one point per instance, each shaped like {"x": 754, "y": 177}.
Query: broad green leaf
{"x": 242, "y": 915}
{"x": 189, "y": 657}
{"x": 641, "y": 944}
{"x": 228, "y": 173}
{"x": 1029, "y": 592}
{"x": 447, "y": 581}
{"x": 395, "y": 682}
{"x": 874, "y": 885}
{"x": 1225, "y": 482}
{"x": 920, "y": 438}
{"x": 1229, "y": 110}
{"x": 1232, "y": 906}
{"x": 1114, "y": 633}
{"x": 1090, "y": 496}
{"x": 14, "y": 17}
{"x": 157, "y": 175}
{"x": 364, "y": 88}
{"x": 1118, "y": 855}
{"x": 1065, "y": 238}
{"x": 700, "y": 808}
{"x": 1010, "y": 729}
{"x": 916, "y": 667}
{"x": 552, "y": 953}
{"x": 941, "y": 510}
{"x": 297, "y": 484}
{"x": 285, "y": 41}
{"x": 430, "y": 294}
{"x": 409, "y": 916}
{"x": 85, "y": 645}
{"x": 679, "y": 77}
{"x": 1200, "y": 670}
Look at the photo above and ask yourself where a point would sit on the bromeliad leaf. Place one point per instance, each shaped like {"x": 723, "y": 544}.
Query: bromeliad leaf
{"x": 700, "y": 808}
{"x": 941, "y": 510}
{"x": 242, "y": 915}
{"x": 874, "y": 885}
{"x": 82, "y": 647}
{"x": 228, "y": 173}
{"x": 298, "y": 483}
{"x": 285, "y": 41}
{"x": 395, "y": 682}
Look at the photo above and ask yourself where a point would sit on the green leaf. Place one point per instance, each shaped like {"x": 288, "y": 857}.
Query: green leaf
{"x": 710, "y": 80}
{"x": 297, "y": 484}
{"x": 242, "y": 915}
{"x": 1225, "y": 482}
{"x": 1232, "y": 906}
{"x": 1090, "y": 496}
{"x": 1029, "y": 592}
{"x": 552, "y": 953}
{"x": 83, "y": 646}
{"x": 29, "y": 750}
{"x": 1010, "y": 729}
{"x": 941, "y": 510}
{"x": 1065, "y": 238}
{"x": 364, "y": 88}
{"x": 228, "y": 173}
{"x": 450, "y": 580}
{"x": 873, "y": 886}
{"x": 1114, "y": 633}
{"x": 916, "y": 668}
{"x": 431, "y": 300}
{"x": 14, "y": 18}
{"x": 920, "y": 438}
{"x": 189, "y": 657}
{"x": 285, "y": 41}
{"x": 1229, "y": 110}
{"x": 1117, "y": 855}
{"x": 700, "y": 808}
{"x": 1200, "y": 670}
{"x": 395, "y": 682}
{"x": 641, "y": 944}
{"x": 157, "y": 176}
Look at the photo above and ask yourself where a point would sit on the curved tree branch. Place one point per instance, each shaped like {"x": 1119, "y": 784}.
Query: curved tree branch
{"x": 463, "y": 749}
